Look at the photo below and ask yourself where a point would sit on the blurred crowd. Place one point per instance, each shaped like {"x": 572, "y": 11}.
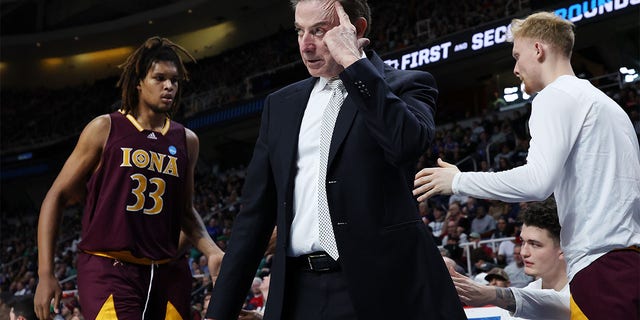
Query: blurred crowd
{"x": 40, "y": 116}
{"x": 494, "y": 142}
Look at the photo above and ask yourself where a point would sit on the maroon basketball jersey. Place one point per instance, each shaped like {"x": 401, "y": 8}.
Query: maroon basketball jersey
{"x": 136, "y": 197}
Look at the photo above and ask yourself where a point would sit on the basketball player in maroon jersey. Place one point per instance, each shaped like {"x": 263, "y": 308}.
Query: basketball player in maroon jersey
{"x": 133, "y": 169}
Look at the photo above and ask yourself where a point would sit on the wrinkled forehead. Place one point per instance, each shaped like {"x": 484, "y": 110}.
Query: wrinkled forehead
{"x": 315, "y": 12}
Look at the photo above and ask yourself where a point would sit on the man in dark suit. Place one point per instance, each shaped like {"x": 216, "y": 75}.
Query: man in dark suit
{"x": 373, "y": 258}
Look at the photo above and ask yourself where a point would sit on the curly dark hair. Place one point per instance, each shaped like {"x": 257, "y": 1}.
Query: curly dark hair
{"x": 543, "y": 215}
{"x": 137, "y": 65}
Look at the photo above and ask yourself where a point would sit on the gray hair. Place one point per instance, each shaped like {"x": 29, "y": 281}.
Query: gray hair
{"x": 354, "y": 8}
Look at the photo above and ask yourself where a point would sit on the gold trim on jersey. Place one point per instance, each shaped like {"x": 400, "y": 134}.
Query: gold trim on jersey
{"x": 132, "y": 119}
{"x": 126, "y": 256}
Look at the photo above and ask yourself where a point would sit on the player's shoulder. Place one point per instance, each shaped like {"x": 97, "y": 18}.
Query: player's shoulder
{"x": 100, "y": 124}
{"x": 192, "y": 141}
{"x": 190, "y": 135}
{"x": 95, "y": 133}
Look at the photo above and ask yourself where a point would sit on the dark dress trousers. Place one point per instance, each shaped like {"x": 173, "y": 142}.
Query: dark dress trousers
{"x": 392, "y": 266}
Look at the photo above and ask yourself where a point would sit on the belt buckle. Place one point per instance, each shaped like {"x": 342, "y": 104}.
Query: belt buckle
{"x": 311, "y": 266}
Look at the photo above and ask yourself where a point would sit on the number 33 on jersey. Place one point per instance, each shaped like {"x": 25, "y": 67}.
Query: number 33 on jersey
{"x": 155, "y": 162}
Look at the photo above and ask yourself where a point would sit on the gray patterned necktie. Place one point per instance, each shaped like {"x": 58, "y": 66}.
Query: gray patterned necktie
{"x": 327, "y": 238}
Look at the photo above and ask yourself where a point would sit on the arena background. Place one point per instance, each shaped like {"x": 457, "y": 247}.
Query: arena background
{"x": 58, "y": 68}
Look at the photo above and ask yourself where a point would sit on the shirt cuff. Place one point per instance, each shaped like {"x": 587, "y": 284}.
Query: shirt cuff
{"x": 455, "y": 182}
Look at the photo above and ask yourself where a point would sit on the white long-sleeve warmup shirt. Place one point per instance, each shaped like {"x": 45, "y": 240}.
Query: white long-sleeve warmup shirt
{"x": 533, "y": 302}
{"x": 584, "y": 150}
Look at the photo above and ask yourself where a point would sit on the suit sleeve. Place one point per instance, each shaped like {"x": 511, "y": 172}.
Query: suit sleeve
{"x": 251, "y": 232}
{"x": 398, "y": 107}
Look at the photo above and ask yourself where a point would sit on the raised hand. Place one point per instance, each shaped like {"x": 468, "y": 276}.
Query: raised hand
{"x": 342, "y": 40}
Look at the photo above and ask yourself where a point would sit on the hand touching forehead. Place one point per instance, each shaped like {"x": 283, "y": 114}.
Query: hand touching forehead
{"x": 333, "y": 13}
{"x": 329, "y": 11}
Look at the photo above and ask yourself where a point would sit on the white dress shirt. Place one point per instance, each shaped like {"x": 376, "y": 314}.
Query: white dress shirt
{"x": 304, "y": 229}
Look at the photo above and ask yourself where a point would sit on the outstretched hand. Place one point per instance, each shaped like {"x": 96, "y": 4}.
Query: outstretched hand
{"x": 434, "y": 181}
{"x": 342, "y": 40}
{"x": 470, "y": 292}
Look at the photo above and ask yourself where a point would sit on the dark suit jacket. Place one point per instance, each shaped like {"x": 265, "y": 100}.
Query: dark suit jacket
{"x": 393, "y": 268}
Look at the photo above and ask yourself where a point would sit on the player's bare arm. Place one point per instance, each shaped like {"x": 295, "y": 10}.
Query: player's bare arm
{"x": 67, "y": 189}
{"x": 192, "y": 224}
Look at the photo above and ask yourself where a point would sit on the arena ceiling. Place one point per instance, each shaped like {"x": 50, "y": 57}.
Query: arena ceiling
{"x": 63, "y": 27}
{"x": 40, "y": 28}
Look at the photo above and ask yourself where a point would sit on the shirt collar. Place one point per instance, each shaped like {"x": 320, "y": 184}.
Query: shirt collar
{"x": 321, "y": 84}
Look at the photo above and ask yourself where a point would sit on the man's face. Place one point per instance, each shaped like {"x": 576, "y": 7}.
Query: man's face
{"x": 517, "y": 258}
{"x": 480, "y": 213}
{"x": 454, "y": 208}
{"x": 452, "y": 228}
{"x": 496, "y": 282}
{"x": 65, "y": 310}
{"x": 541, "y": 255}
{"x": 313, "y": 18}
{"x": 159, "y": 87}
{"x": 527, "y": 67}
{"x": 423, "y": 208}
{"x": 502, "y": 224}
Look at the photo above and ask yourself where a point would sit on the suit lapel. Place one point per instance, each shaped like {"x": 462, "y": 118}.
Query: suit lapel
{"x": 348, "y": 113}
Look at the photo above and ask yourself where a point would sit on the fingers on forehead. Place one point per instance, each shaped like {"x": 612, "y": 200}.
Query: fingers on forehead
{"x": 344, "y": 17}
{"x": 329, "y": 11}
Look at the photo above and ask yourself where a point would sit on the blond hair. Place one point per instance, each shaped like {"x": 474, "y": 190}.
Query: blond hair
{"x": 547, "y": 27}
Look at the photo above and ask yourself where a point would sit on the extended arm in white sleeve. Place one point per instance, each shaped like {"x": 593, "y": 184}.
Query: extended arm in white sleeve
{"x": 555, "y": 126}
{"x": 542, "y": 303}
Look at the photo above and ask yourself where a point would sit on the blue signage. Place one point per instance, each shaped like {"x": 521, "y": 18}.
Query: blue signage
{"x": 496, "y": 34}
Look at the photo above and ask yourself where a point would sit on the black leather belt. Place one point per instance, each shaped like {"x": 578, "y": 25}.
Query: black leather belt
{"x": 314, "y": 262}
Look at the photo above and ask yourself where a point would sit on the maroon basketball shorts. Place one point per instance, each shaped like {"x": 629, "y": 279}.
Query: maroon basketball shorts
{"x": 112, "y": 289}
{"x": 608, "y": 288}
